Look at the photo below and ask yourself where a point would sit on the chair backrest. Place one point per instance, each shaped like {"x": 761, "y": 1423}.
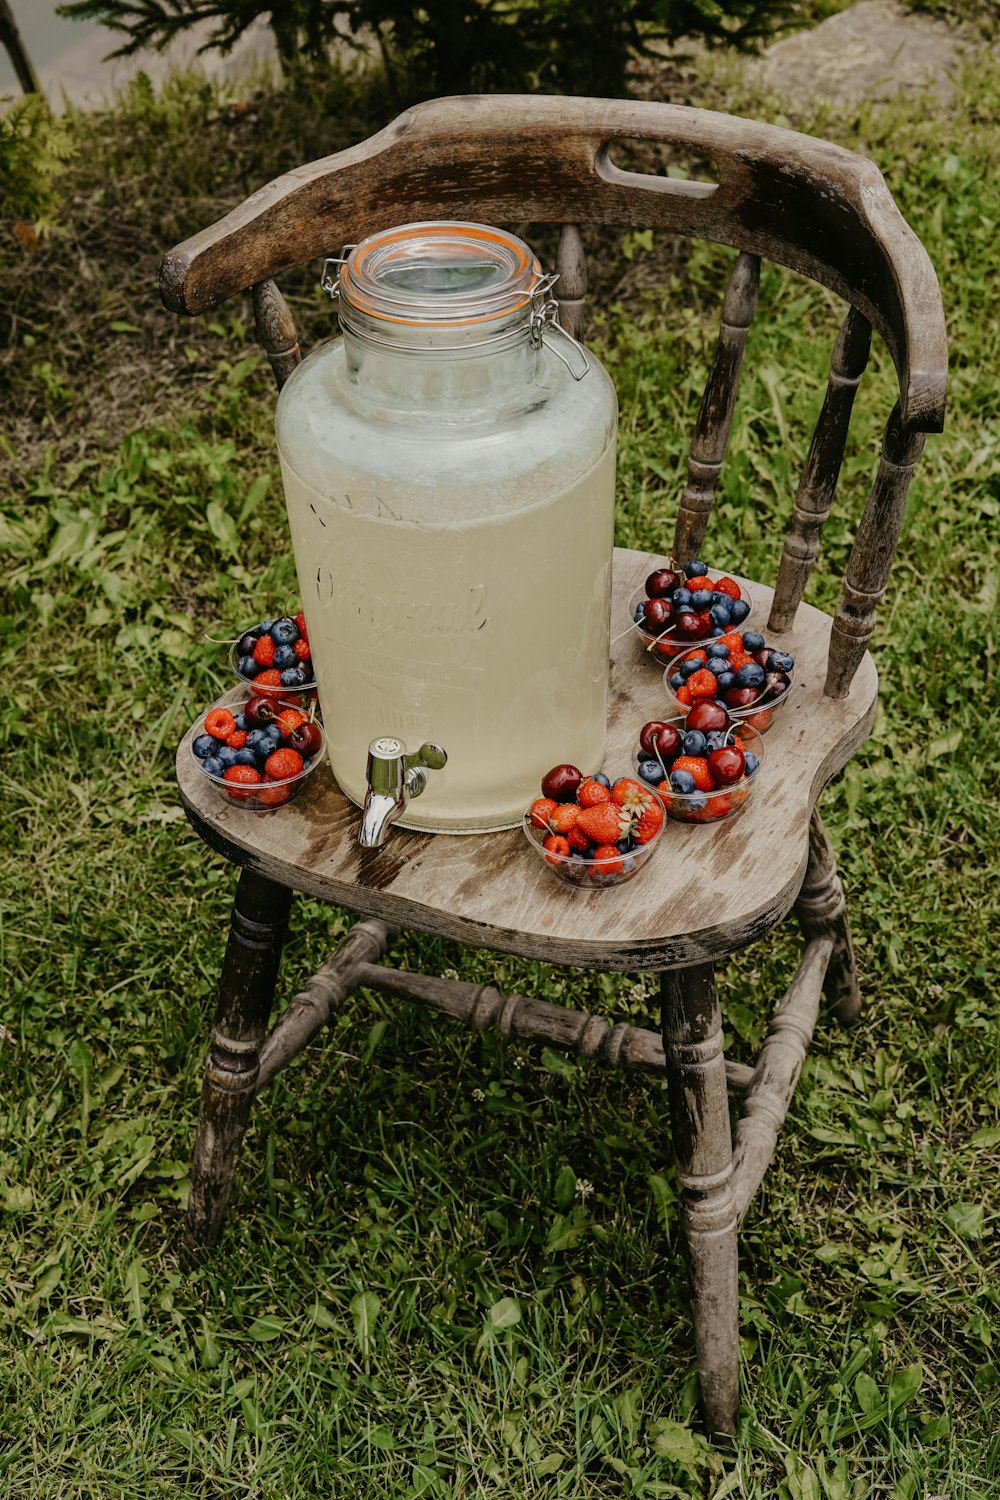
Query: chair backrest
{"x": 804, "y": 203}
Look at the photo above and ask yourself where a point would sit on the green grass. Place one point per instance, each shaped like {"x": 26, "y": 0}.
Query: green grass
{"x": 452, "y": 1265}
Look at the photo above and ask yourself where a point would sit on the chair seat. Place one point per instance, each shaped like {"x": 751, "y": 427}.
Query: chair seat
{"x": 709, "y": 889}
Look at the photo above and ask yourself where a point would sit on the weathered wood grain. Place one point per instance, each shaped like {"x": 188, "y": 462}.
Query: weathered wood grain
{"x": 703, "y": 1152}
{"x": 276, "y": 330}
{"x": 715, "y": 416}
{"x": 707, "y": 891}
{"x": 246, "y": 993}
{"x": 872, "y": 554}
{"x": 818, "y": 484}
{"x": 804, "y": 203}
{"x": 776, "y": 1073}
{"x": 822, "y": 910}
{"x": 571, "y": 288}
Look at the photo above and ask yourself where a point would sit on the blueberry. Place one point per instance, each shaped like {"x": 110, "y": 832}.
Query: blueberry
{"x": 682, "y": 782}
{"x": 698, "y": 801}
{"x": 628, "y": 865}
{"x": 203, "y": 745}
{"x": 637, "y": 613}
{"x": 226, "y": 756}
{"x": 213, "y": 766}
{"x": 694, "y": 742}
{"x": 725, "y": 680}
{"x": 245, "y": 757}
{"x": 701, "y": 599}
{"x": 750, "y": 676}
{"x": 715, "y": 631}
{"x": 264, "y": 628}
{"x": 284, "y": 631}
{"x": 695, "y": 569}
{"x": 651, "y": 771}
{"x": 246, "y": 643}
{"x": 284, "y": 658}
{"x": 717, "y": 739}
{"x": 623, "y": 846}
{"x": 681, "y": 596}
{"x": 753, "y": 640}
{"x": 241, "y": 721}
{"x": 676, "y": 680}
{"x": 293, "y": 677}
{"x": 720, "y": 614}
{"x": 718, "y": 649}
{"x": 604, "y": 780}
{"x": 781, "y": 661}
{"x": 247, "y": 667}
{"x": 750, "y": 763}
{"x": 740, "y": 610}
{"x": 689, "y": 667}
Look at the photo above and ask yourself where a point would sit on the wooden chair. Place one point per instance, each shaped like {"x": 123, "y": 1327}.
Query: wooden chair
{"x": 808, "y": 205}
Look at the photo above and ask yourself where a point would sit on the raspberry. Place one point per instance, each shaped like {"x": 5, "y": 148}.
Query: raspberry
{"x": 592, "y": 794}
{"x": 698, "y": 655}
{"x": 263, "y": 652}
{"x": 555, "y": 844}
{"x": 761, "y": 721}
{"x": 564, "y": 818}
{"x": 540, "y": 811}
{"x": 270, "y": 678}
{"x": 739, "y": 658}
{"x": 610, "y": 858}
{"x": 701, "y": 582}
{"x": 577, "y": 839}
{"x": 237, "y": 739}
{"x": 683, "y": 695}
{"x": 697, "y": 767}
{"x": 733, "y": 639}
{"x": 300, "y": 621}
{"x": 728, "y": 586}
{"x": 602, "y": 825}
{"x": 301, "y": 649}
{"x": 219, "y": 723}
{"x": 702, "y": 684}
{"x": 282, "y": 764}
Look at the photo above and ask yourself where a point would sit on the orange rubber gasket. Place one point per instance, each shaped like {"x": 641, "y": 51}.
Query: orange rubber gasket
{"x": 470, "y": 231}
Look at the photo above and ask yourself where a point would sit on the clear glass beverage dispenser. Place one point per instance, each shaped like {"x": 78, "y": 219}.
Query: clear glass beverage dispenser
{"x": 449, "y": 472}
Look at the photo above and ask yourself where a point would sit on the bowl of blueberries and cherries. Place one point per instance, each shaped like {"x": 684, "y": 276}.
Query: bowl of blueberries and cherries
{"x": 703, "y": 766}
{"x": 274, "y": 655}
{"x": 681, "y": 607}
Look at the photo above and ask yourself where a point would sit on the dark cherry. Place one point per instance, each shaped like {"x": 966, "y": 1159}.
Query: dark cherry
{"x": 762, "y": 656}
{"x": 657, "y": 739}
{"x": 306, "y": 739}
{"x": 726, "y": 765}
{"x": 258, "y": 712}
{"x": 738, "y": 697}
{"x": 662, "y": 583}
{"x": 657, "y": 614}
{"x": 707, "y": 716}
{"x": 561, "y": 783}
{"x": 776, "y": 685}
{"x": 689, "y": 627}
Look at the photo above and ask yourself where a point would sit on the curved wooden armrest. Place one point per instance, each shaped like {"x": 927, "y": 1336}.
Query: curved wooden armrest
{"x": 805, "y": 203}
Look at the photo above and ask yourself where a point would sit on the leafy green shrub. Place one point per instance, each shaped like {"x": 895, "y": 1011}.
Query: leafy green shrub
{"x": 34, "y": 148}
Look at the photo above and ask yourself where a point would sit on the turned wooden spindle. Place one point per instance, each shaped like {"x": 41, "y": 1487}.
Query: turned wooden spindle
{"x": 571, "y": 288}
{"x": 821, "y": 909}
{"x": 715, "y": 416}
{"x": 872, "y": 554}
{"x": 276, "y": 330}
{"x": 702, "y": 1140}
{"x": 246, "y": 993}
{"x": 818, "y": 484}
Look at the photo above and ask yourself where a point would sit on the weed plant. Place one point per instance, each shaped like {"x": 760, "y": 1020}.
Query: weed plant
{"x": 451, "y": 1267}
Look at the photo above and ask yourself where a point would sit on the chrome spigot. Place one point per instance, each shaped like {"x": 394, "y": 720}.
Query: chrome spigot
{"x": 393, "y": 778}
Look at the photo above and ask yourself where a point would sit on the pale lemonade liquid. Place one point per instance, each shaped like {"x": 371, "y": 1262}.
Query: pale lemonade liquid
{"x": 487, "y": 636}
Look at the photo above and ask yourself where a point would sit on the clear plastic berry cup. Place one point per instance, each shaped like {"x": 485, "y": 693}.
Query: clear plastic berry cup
{"x": 666, "y": 646}
{"x": 266, "y": 795}
{"x": 713, "y": 806}
{"x": 594, "y": 874}
{"x": 269, "y": 690}
{"x": 760, "y": 714}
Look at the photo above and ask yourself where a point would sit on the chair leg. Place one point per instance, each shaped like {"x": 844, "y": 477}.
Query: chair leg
{"x": 246, "y": 993}
{"x": 821, "y": 909}
{"x": 703, "y": 1149}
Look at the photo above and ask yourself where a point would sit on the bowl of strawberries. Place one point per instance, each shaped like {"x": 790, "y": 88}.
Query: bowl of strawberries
{"x": 593, "y": 832}
{"x": 679, "y": 607}
{"x": 704, "y": 766}
{"x": 257, "y": 752}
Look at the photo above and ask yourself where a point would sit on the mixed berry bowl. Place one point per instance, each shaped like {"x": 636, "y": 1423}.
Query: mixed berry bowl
{"x": 701, "y": 775}
{"x": 258, "y": 752}
{"x": 739, "y": 671}
{"x": 591, "y": 832}
{"x": 274, "y": 657}
{"x": 677, "y": 608}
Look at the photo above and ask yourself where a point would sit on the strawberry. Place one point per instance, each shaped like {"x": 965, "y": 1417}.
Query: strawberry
{"x": 273, "y": 796}
{"x": 540, "y": 811}
{"x": 739, "y": 658}
{"x": 565, "y": 817}
{"x": 301, "y": 649}
{"x": 650, "y": 821}
{"x": 263, "y": 652}
{"x": 242, "y": 775}
{"x": 290, "y": 719}
{"x": 578, "y": 840}
{"x": 761, "y": 720}
{"x": 219, "y": 723}
{"x": 282, "y": 764}
{"x": 628, "y": 793}
{"x": 237, "y": 739}
{"x": 300, "y": 621}
{"x": 700, "y": 655}
{"x": 270, "y": 678}
{"x": 728, "y": 586}
{"x": 610, "y": 859}
{"x": 698, "y": 768}
{"x": 604, "y": 824}
{"x": 556, "y": 844}
{"x": 592, "y": 794}
{"x": 702, "y": 684}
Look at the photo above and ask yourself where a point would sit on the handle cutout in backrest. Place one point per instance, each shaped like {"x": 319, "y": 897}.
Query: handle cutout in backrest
{"x": 633, "y": 158}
